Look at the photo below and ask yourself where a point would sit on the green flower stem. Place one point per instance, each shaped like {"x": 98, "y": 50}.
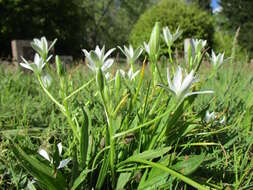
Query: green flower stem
{"x": 158, "y": 138}
{"x": 70, "y": 121}
{"x": 168, "y": 170}
{"x": 133, "y": 168}
{"x": 79, "y": 89}
{"x": 62, "y": 108}
{"x": 159, "y": 73}
{"x": 67, "y": 111}
{"x": 51, "y": 96}
{"x": 141, "y": 126}
{"x": 139, "y": 85}
{"x": 170, "y": 56}
{"x": 97, "y": 156}
{"x": 112, "y": 144}
{"x": 121, "y": 103}
{"x": 132, "y": 66}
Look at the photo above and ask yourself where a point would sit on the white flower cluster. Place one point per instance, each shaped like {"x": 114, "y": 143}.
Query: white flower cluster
{"x": 45, "y": 155}
{"x": 41, "y": 58}
{"x": 182, "y": 82}
{"x": 212, "y": 117}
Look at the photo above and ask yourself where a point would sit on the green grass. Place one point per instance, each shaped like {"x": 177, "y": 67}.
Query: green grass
{"x": 127, "y": 134}
{"x": 29, "y": 118}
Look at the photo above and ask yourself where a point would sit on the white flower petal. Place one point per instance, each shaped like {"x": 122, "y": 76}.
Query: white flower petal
{"x": 122, "y": 72}
{"x": 92, "y": 66}
{"x": 108, "y": 53}
{"x": 137, "y": 53}
{"x": 44, "y": 154}
{"x": 46, "y": 80}
{"x": 169, "y": 81}
{"x": 130, "y": 73}
{"x": 49, "y": 57}
{"x": 134, "y": 75}
{"x": 199, "y": 92}
{"x": 209, "y": 116}
{"x": 122, "y": 51}
{"x": 63, "y": 163}
{"x": 177, "y": 80}
{"x": 59, "y": 146}
{"x": 37, "y": 60}
{"x": 188, "y": 80}
{"x": 223, "y": 120}
{"x": 99, "y": 52}
{"x": 27, "y": 66}
{"x": 147, "y": 48}
{"x": 165, "y": 36}
{"x": 131, "y": 51}
{"x": 45, "y": 44}
{"x": 107, "y": 76}
{"x": 86, "y": 52}
{"x": 107, "y": 64}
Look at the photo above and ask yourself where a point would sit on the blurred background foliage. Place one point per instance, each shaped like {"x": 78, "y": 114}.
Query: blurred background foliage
{"x": 85, "y": 23}
{"x": 76, "y": 23}
{"x": 239, "y": 14}
{"x": 192, "y": 21}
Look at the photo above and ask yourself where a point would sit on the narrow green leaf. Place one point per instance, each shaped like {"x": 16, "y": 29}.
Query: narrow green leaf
{"x": 30, "y": 186}
{"x": 149, "y": 154}
{"x": 122, "y": 180}
{"x": 169, "y": 171}
{"x": 156, "y": 177}
{"x": 103, "y": 171}
{"x": 143, "y": 179}
{"x": 74, "y": 172}
{"x": 43, "y": 173}
{"x": 139, "y": 84}
{"x": 84, "y": 138}
{"x": 155, "y": 182}
{"x": 189, "y": 165}
{"x": 80, "y": 179}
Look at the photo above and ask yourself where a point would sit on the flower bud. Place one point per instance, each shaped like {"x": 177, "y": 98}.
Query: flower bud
{"x": 117, "y": 81}
{"x": 100, "y": 80}
{"x": 59, "y": 66}
{"x": 46, "y": 80}
{"x": 154, "y": 41}
{"x": 106, "y": 94}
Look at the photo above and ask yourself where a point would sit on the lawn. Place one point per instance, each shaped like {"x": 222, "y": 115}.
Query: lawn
{"x": 82, "y": 128}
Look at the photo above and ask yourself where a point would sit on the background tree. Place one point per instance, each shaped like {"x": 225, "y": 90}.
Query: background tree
{"x": 76, "y": 23}
{"x": 193, "y": 21}
{"x": 110, "y": 21}
{"x": 204, "y": 4}
{"x": 22, "y": 19}
{"x": 240, "y": 14}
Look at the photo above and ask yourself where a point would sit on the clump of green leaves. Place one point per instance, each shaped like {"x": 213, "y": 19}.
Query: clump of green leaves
{"x": 130, "y": 132}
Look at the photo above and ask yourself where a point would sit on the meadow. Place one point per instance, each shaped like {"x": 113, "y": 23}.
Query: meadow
{"x": 154, "y": 122}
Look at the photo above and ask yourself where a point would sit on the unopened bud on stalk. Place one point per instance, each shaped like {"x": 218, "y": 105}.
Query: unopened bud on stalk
{"x": 100, "y": 80}
{"x": 154, "y": 41}
{"x": 106, "y": 94}
{"x": 59, "y": 66}
{"x": 117, "y": 81}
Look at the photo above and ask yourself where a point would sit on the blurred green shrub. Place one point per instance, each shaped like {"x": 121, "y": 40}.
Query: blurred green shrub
{"x": 193, "y": 21}
{"x": 223, "y": 41}
{"x": 21, "y": 19}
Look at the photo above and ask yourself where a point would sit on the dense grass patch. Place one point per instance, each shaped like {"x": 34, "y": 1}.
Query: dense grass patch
{"x": 138, "y": 130}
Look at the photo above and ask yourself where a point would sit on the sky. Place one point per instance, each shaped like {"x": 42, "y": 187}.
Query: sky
{"x": 215, "y": 6}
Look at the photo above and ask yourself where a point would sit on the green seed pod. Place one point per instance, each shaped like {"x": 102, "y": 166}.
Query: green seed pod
{"x": 100, "y": 80}
{"x": 117, "y": 83}
{"x": 59, "y": 66}
{"x": 154, "y": 41}
{"x": 107, "y": 94}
